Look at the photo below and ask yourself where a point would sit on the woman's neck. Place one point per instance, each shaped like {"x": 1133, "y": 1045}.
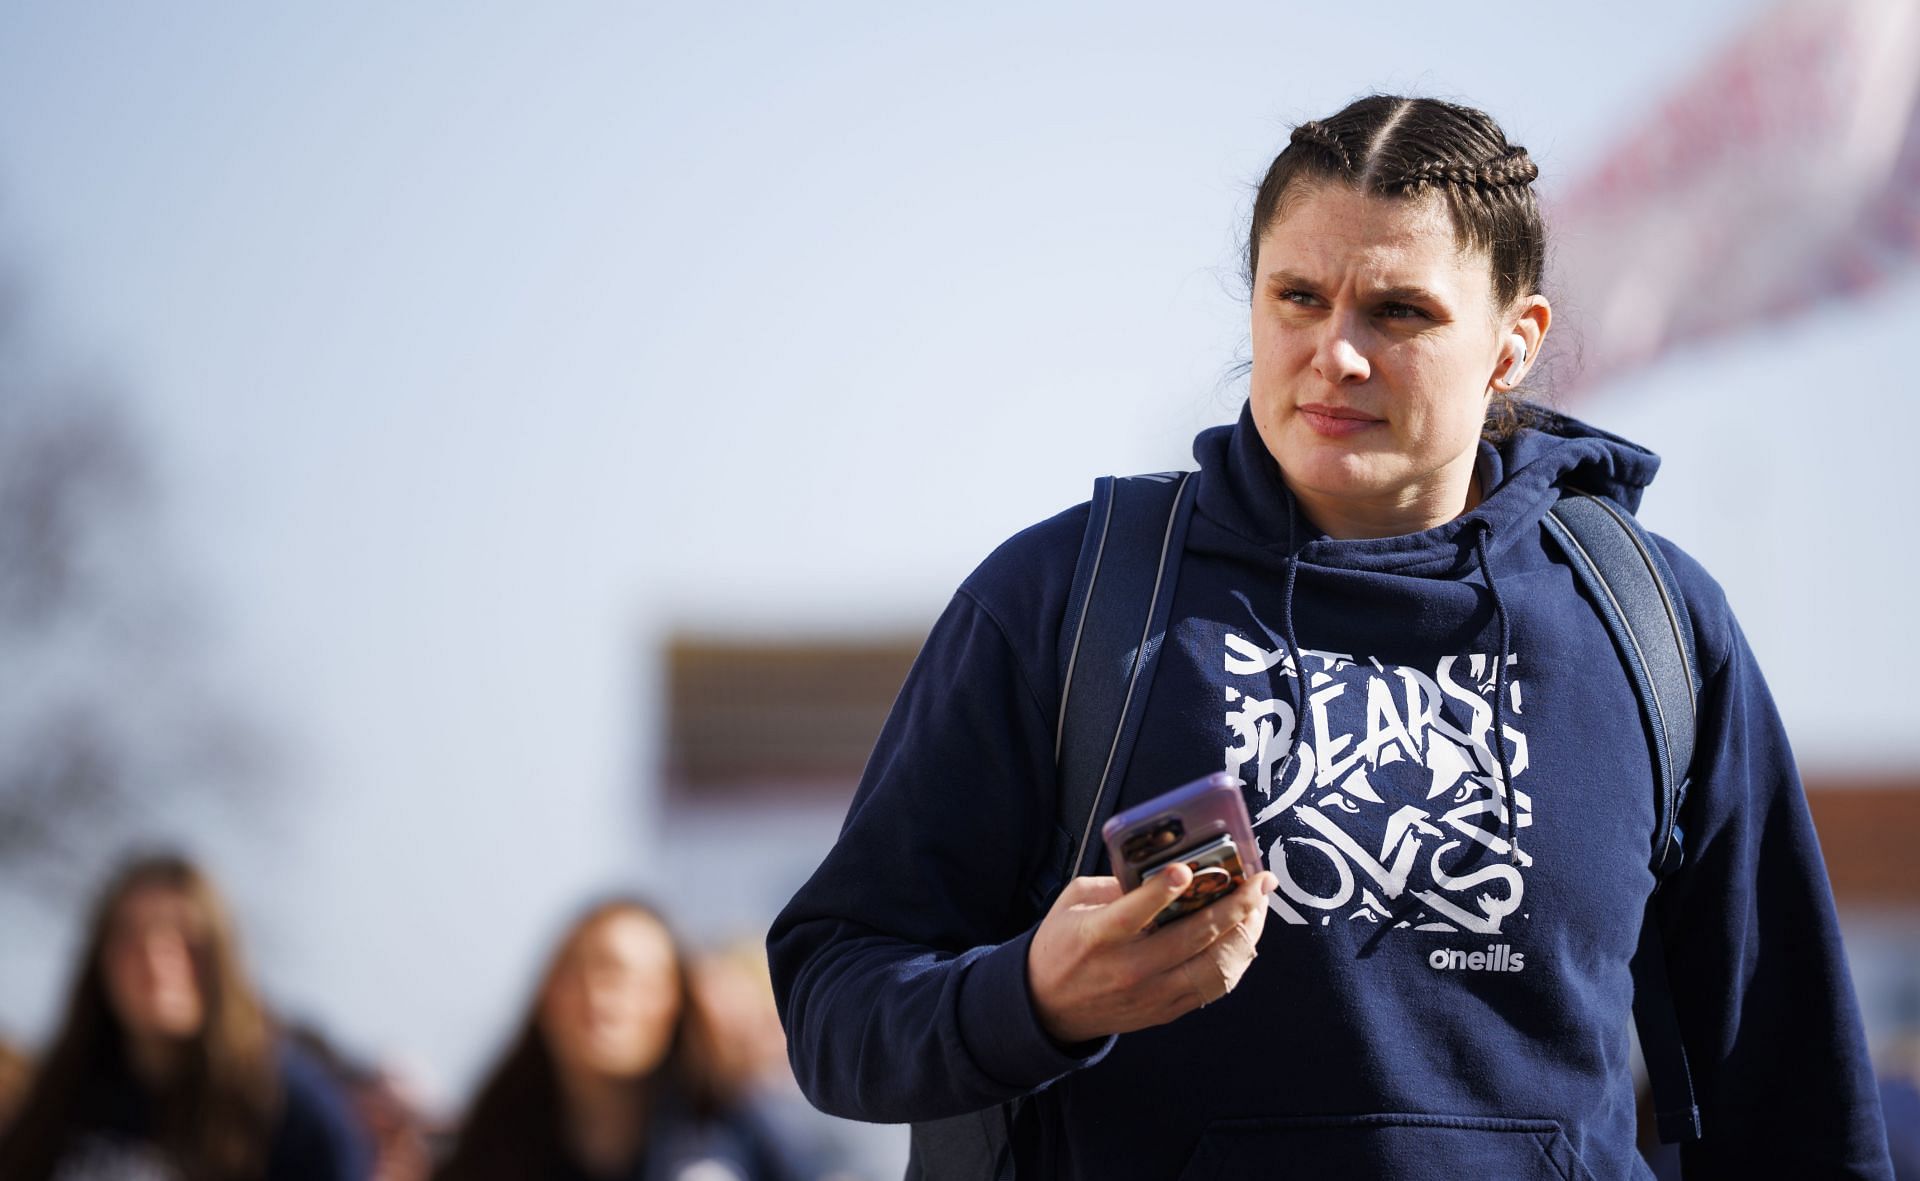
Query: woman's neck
{"x": 604, "y": 1120}
{"x": 1346, "y": 520}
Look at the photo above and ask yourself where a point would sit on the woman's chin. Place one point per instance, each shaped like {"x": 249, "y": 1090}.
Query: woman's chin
{"x": 1342, "y": 476}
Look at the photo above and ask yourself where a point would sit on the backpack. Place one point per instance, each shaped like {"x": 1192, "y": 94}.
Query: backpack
{"x": 1122, "y": 591}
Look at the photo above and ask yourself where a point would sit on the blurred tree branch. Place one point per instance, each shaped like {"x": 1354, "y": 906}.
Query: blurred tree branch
{"x": 106, "y": 721}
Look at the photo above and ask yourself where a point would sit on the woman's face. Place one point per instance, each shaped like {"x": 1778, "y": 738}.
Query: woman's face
{"x": 154, "y": 983}
{"x": 614, "y": 999}
{"x": 1375, "y": 341}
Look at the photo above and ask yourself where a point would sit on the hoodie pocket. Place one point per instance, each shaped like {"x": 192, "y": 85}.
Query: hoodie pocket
{"x": 1391, "y": 1147}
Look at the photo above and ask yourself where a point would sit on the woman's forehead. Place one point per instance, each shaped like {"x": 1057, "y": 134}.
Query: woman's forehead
{"x": 156, "y": 905}
{"x": 623, "y": 935}
{"x": 1331, "y": 225}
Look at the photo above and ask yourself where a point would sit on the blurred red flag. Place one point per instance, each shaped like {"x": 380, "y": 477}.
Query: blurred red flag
{"x": 1787, "y": 172}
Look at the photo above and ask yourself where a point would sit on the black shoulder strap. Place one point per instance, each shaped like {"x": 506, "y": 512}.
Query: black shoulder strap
{"x": 1110, "y": 645}
{"x": 1622, "y": 571}
{"x": 1630, "y": 584}
{"x": 976, "y": 1146}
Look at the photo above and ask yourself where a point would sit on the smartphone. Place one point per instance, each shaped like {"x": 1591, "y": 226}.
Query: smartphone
{"x": 1204, "y": 824}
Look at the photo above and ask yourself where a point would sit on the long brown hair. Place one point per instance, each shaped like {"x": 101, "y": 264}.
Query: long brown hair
{"x": 513, "y": 1129}
{"x": 215, "y": 1117}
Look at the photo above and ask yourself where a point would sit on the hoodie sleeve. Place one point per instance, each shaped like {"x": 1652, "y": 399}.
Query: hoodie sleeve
{"x": 900, "y": 966}
{"x": 1760, "y": 981}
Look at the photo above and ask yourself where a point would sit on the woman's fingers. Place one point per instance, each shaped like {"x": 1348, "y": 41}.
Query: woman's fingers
{"x": 1233, "y": 953}
{"x": 1135, "y": 910}
{"x": 1191, "y": 936}
{"x": 1095, "y": 969}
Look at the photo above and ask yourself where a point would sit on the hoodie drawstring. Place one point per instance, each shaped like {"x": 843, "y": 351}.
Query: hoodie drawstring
{"x": 1299, "y": 668}
{"x": 1512, "y": 817}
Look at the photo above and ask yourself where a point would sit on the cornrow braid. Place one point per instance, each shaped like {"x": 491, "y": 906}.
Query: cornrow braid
{"x": 1510, "y": 168}
{"x": 1315, "y": 134}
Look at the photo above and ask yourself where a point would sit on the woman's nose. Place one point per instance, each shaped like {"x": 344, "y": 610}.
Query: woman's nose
{"x": 165, "y": 958}
{"x": 1337, "y": 360}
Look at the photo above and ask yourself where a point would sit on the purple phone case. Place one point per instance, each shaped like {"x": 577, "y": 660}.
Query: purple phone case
{"x": 1203, "y": 810}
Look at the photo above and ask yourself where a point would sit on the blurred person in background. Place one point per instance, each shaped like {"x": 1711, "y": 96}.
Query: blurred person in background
{"x": 735, "y": 992}
{"x": 1899, "y": 1062}
{"x": 167, "y": 1064}
{"x": 16, "y": 1073}
{"x": 387, "y": 1106}
{"x": 613, "y": 1075}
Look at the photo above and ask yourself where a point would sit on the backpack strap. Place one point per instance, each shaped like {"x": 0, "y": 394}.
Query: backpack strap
{"x": 1622, "y": 570}
{"x": 1115, "y": 623}
{"x": 976, "y": 1146}
{"x": 1624, "y": 574}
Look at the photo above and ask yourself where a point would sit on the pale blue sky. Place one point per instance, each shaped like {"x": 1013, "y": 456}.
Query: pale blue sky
{"x": 481, "y": 344}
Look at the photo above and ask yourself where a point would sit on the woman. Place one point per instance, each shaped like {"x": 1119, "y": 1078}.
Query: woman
{"x": 611, "y": 1075}
{"x": 1439, "y": 747}
{"x": 166, "y": 1064}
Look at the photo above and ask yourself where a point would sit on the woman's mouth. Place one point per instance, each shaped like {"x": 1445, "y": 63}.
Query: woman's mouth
{"x": 1337, "y": 422}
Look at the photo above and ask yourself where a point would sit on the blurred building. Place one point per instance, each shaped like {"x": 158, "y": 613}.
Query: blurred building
{"x": 764, "y": 742}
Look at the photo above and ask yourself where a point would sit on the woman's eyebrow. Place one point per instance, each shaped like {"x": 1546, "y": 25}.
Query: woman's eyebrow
{"x": 1290, "y": 280}
{"x": 1399, "y": 292}
{"x": 1408, "y": 293}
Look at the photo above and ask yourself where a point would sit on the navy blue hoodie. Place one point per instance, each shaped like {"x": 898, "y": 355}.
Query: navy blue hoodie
{"x": 1442, "y": 987}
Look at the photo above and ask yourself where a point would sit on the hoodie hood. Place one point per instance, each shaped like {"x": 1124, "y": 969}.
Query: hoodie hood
{"x": 1242, "y": 491}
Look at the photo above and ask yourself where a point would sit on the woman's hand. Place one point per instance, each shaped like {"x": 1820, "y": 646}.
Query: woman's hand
{"x": 1095, "y": 969}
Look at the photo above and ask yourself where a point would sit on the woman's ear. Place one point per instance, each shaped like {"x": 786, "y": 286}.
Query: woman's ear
{"x": 1528, "y": 330}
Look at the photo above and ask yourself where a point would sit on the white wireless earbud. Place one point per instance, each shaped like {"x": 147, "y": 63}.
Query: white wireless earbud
{"x": 1516, "y": 361}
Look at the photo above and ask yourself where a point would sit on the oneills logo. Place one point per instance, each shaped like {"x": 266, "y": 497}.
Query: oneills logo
{"x": 1499, "y": 957}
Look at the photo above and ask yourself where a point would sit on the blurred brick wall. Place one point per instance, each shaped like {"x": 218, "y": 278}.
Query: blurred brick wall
{"x": 1870, "y": 835}
{"x": 794, "y": 718}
